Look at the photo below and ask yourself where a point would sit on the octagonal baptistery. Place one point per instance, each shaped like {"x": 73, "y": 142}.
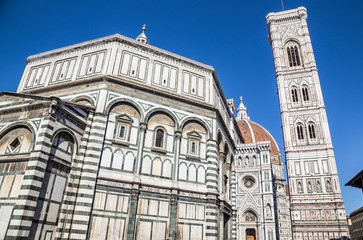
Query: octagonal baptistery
{"x": 259, "y": 159}
{"x": 152, "y": 151}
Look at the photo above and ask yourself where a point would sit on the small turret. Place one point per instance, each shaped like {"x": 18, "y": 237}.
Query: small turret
{"x": 242, "y": 111}
{"x": 142, "y": 37}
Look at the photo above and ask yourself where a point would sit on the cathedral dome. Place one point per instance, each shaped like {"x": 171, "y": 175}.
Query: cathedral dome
{"x": 254, "y": 133}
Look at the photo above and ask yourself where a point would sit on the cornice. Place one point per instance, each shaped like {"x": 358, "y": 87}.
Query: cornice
{"x": 287, "y": 16}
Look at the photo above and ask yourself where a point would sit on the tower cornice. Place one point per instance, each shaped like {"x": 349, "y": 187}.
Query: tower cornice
{"x": 287, "y": 16}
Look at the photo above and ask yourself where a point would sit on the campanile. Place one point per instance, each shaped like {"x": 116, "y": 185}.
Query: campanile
{"x": 317, "y": 208}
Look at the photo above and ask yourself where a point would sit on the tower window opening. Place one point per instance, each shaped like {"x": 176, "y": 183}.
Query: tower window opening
{"x": 300, "y": 132}
{"x": 293, "y": 55}
{"x": 311, "y": 129}
{"x": 294, "y": 95}
{"x": 305, "y": 93}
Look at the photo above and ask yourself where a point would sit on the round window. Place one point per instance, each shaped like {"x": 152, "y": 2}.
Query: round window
{"x": 248, "y": 181}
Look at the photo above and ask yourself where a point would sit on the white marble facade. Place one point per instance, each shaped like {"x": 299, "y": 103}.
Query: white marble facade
{"x": 145, "y": 145}
{"x": 317, "y": 208}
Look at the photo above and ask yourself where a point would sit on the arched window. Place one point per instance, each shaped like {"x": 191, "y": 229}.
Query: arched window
{"x": 159, "y": 138}
{"x": 300, "y": 132}
{"x": 63, "y": 147}
{"x": 311, "y": 128}
{"x": 294, "y": 97}
{"x": 305, "y": 93}
{"x": 293, "y": 55}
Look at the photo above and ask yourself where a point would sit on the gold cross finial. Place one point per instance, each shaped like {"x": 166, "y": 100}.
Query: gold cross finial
{"x": 143, "y": 28}
{"x": 241, "y": 99}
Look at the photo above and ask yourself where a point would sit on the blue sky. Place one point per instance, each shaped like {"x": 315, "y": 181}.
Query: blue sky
{"x": 229, "y": 35}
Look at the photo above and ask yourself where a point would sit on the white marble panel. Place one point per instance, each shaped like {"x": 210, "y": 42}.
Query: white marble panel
{"x": 70, "y": 69}
{"x": 5, "y": 214}
{"x": 117, "y": 160}
{"x": 146, "y": 165}
{"x": 165, "y": 78}
{"x": 153, "y": 207}
{"x": 83, "y": 67}
{"x": 16, "y": 186}
{"x": 186, "y": 82}
{"x": 134, "y": 64}
{"x": 52, "y": 212}
{"x": 115, "y": 229}
{"x": 125, "y": 63}
{"x": 129, "y": 162}
{"x": 56, "y": 72}
{"x": 200, "y": 87}
{"x": 182, "y": 210}
{"x": 157, "y": 72}
{"x": 63, "y": 72}
{"x": 32, "y": 76}
{"x": 60, "y": 183}
{"x": 100, "y": 200}
{"x": 164, "y": 209}
{"x": 173, "y": 78}
{"x": 201, "y": 175}
{"x": 142, "y": 71}
{"x": 111, "y": 202}
{"x": 156, "y": 167}
{"x": 158, "y": 232}
{"x": 106, "y": 158}
{"x": 192, "y": 173}
{"x": 143, "y": 230}
{"x": 167, "y": 169}
{"x": 183, "y": 169}
{"x": 92, "y": 64}
{"x": 143, "y": 206}
{"x": 196, "y": 232}
{"x": 99, "y": 225}
{"x": 99, "y": 62}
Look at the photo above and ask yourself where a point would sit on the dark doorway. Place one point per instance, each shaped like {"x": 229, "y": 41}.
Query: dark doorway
{"x": 250, "y": 234}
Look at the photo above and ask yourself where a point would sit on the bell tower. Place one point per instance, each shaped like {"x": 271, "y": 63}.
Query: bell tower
{"x": 317, "y": 208}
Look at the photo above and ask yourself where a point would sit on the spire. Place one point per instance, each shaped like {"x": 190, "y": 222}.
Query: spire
{"x": 142, "y": 37}
{"x": 242, "y": 111}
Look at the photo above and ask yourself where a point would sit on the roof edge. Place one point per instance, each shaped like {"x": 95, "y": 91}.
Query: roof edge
{"x": 116, "y": 38}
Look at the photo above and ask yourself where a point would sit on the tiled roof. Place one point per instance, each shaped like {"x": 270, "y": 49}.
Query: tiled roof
{"x": 253, "y": 133}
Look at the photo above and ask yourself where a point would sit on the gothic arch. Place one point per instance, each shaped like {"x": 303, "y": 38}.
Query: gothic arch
{"x": 291, "y": 39}
{"x": 292, "y": 50}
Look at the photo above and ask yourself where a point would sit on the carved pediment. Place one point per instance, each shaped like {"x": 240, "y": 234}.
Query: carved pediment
{"x": 194, "y": 134}
{"x": 124, "y": 118}
{"x": 290, "y": 33}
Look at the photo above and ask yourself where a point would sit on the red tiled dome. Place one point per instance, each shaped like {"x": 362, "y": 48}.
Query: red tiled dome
{"x": 253, "y": 133}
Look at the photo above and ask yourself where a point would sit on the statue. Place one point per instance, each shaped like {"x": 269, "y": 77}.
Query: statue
{"x": 328, "y": 186}
{"x": 318, "y": 186}
{"x": 299, "y": 187}
{"x": 310, "y": 189}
